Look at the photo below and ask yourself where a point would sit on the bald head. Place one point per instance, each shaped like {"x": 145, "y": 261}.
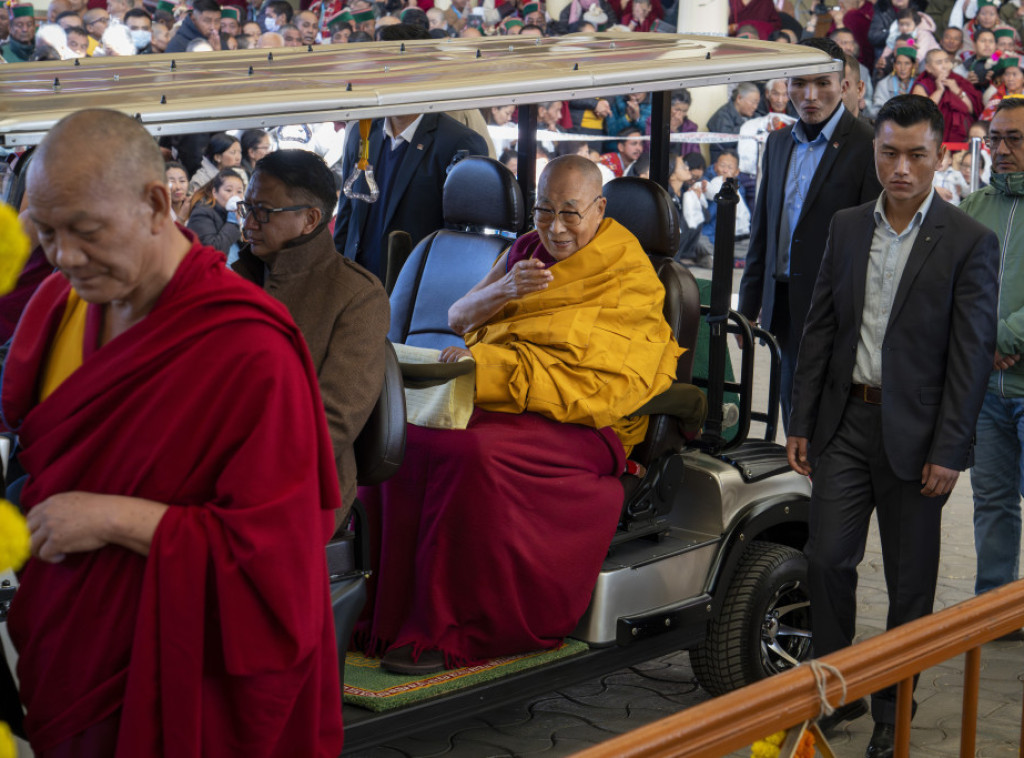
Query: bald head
{"x": 569, "y": 206}
{"x": 99, "y": 198}
{"x": 106, "y": 146}
{"x": 587, "y": 174}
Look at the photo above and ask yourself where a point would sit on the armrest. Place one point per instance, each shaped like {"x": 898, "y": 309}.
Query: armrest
{"x": 684, "y": 401}
{"x": 420, "y": 375}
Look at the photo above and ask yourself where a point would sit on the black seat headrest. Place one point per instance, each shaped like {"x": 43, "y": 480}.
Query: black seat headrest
{"x": 483, "y": 192}
{"x": 646, "y": 209}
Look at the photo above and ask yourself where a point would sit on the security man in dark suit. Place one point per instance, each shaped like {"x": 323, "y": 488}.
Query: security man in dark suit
{"x": 891, "y": 374}
{"x": 410, "y": 156}
{"x": 810, "y": 170}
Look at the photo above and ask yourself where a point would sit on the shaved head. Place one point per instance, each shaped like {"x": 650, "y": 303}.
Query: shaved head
{"x": 589, "y": 175}
{"x": 99, "y": 199}
{"x": 107, "y": 146}
{"x": 569, "y": 206}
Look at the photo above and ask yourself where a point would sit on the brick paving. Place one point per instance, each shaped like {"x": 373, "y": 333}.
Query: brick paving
{"x": 563, "y": 722}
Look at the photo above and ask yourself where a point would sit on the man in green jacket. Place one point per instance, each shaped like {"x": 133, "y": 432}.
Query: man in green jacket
{"x": 22, "y": 43}
{"x": 998, "y": 472}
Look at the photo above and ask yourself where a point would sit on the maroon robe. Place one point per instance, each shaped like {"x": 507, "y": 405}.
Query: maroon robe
{"x": 755, "y": 10}
{"x": 221, "y": 641}
{"x": 957, "y": 116}
{"x": 492, "y": 537}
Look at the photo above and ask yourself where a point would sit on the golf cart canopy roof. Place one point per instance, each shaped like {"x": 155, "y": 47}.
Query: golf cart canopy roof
{"x": 204, "y": 92}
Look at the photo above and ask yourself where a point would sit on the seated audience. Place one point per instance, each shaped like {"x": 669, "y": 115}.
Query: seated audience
{"x": 340, "y": 307}
{"x": 213, "y": 217}
{"x": 730, "y": 117}
{"x": 221, "y": 152}
{"x": 974, "y": 68}
{"x": 952, "y": 41}
{"x": 140, "y": 25}
{"x": 255, "y": 144}
{"x": 913, "y": 25}
{"x": 959, "y": 102}
{"x": 633, "y": 110}
{"x": 21, "y": 43}
{"x": 759, "y": 11}
{"x": 1007, "y": 81}
{"x": 726, "y": 167}
{"x": 202, "y": 23}
{"x": 177, "y": 183}
{"x": 629, "y": 148}
{"x": 554, "y": 391}
{"x": 901, "y": 80}
{"x": 948, "y": 182}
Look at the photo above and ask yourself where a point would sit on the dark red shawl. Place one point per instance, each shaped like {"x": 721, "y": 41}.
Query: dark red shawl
{"x": 954, "y": 111}
{"x": 221, "y": 642}
{"x": 755, "y": 10}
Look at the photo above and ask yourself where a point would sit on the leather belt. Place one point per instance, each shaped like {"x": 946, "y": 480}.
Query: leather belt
{"x": 867, "y": 393}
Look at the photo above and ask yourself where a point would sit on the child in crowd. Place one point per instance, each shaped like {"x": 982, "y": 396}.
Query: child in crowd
{"x": 699, "y": 205}
{"x": 949, "y": 183}
{"x": 973, "y": 68}
{"x": 909, "y": 24}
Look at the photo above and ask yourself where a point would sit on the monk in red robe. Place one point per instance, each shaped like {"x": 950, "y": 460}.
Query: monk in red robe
{"x": 181, "y": 482}
{"x": 959, "y": 101}
{"x": 492, "y": 536}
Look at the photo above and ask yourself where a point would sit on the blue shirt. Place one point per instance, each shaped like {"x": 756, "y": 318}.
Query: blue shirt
{"x": 803, "y": 163}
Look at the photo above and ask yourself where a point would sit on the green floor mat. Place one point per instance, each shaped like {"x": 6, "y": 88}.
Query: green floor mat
{"x": 369, "y": 686}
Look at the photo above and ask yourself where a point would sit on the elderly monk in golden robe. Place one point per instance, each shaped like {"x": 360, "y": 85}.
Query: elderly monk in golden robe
{"x": 492, "y": 537}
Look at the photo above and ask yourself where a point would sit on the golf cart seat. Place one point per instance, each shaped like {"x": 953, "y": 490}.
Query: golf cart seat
{"x": 484, "y": 207}
{"x": 379, "y": 450}
{"x": 647, "y": 211}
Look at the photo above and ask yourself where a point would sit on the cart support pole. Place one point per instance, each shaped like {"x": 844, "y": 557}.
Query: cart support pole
{"x": 721, "y": 294}
{"x": 527, "y": 150}
{"x": 661, "y": 110}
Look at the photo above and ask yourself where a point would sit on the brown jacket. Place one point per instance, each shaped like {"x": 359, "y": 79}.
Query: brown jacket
{"x": 343, "y": 312}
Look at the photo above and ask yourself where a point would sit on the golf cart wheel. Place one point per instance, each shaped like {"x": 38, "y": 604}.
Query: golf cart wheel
{"x": 765, "y": 623}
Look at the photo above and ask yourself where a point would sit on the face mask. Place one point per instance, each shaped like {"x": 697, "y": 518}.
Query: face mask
{"x": 1009, "y": 184}
{"x": 141, "y": 38}
{"x": 270, "y": 24}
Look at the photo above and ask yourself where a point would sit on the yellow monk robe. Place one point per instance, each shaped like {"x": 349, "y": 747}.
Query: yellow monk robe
{"x": 66, "y": 349}
{"x": 590, "y": 349}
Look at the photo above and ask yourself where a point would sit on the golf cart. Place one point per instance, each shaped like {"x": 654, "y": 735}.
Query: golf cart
{"x": 707, "y": 555}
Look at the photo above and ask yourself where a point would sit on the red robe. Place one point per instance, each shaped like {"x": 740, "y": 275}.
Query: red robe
{"x": 755, "y": 10}
{"x": 221, "y": 642}
{"x": 491, "y": 538}
{"x": 957, "y": 117}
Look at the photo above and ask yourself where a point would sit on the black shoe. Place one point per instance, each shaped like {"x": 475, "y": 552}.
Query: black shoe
{"x": 847, "y": 712}
{"x": 881, "y": 742}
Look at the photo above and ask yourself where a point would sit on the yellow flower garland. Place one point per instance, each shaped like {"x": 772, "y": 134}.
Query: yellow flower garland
{"x": 15, "y": 540}
{"x": 769, "y": 746}
{"x": 14, "y": 248}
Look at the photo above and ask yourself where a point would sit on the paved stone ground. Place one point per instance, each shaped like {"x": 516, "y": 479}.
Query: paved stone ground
{"x": 563, "y": 722}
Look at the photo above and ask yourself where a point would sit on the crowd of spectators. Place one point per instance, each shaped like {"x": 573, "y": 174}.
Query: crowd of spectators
{"x": 964, "y": 54}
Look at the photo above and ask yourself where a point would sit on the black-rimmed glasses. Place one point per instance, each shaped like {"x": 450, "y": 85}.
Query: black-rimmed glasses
{"x": 545, "y": 216}
{"x": 1012, "y": 141}
{"x": 261, "y": 214}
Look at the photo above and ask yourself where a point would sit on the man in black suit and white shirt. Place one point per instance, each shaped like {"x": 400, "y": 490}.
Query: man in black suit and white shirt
{"x": 410, "y": 156}
{"x": 810, "y": 170}
{"x": 890, "y": 378}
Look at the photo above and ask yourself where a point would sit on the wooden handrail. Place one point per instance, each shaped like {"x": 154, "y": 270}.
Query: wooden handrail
{"x": 736, "y": 720}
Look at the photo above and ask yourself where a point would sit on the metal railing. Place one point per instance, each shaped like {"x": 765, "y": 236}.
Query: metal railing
{"x": 736, "y": 720}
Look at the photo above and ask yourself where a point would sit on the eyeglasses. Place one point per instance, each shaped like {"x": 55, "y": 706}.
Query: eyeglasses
{"x": 261, "y": 214}
{"x": 1012, "y": 141}
{"x": 545, "y": 216}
